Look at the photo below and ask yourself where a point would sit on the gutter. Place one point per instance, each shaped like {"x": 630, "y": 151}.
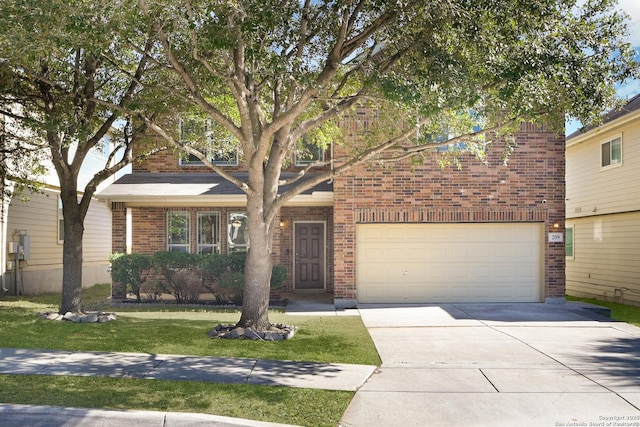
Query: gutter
{"x": 605, "y": 127}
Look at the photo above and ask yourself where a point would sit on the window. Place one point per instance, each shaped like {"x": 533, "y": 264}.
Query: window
{"x": 178, "y": 231}
{"x": 238, "y": 232}
{"x": 568, "y": 245}
{"x": 220, "y": 149}
{"x": 611, "y": 152}
{"x": 208, "y": 232}
{"x": 60, "y": 221}
{"x": 308, "y": 153}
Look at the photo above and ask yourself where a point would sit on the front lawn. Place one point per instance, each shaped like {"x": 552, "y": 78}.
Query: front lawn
{"x": 176, "y": 330}
{"x": 622, "y": 312}
{"x": 304, "y": 407}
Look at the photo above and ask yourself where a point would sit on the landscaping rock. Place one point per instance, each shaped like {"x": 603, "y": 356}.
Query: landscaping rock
{"x": 53, "y": 316}
{"x": 253, "y": 335}
{"x": 71, "y": 317}
{"x": 90, "y": 317}
{"x": 277, "y": 332}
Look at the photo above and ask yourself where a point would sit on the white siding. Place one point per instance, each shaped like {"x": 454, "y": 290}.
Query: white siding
{"x": 39, "y": 219}
{"x": 607, "y": 258}
{"x": 592, "y": 190}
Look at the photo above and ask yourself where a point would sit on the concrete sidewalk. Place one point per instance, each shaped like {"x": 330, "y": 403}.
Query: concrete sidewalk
{"x": 497, "y": 365}
{"x": 54, "y": 416}
{"x": 327, "y": 376}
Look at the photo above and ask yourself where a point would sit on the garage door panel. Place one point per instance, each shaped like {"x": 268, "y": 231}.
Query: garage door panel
{"x": 449, "y": 263}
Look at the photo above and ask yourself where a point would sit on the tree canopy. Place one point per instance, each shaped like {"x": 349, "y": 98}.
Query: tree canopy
{"x": 56, "y": 73}
{"x": 269, "y": 73}
{"x": 272, "y": 72}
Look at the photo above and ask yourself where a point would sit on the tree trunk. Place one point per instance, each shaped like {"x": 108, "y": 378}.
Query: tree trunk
{"x": 72, "y": 257}
{"x": 257, "y": 273}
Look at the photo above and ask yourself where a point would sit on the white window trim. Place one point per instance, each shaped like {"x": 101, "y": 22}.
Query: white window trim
{"x": 60, "y": 227}
{"x": 232, "y": 162}
{"x": 306, "y": 162}
{"x": 209, "y": 153}
{"x": 573, "y": 241}
{"x": 216, "y": 245}
{"x": 611, "y": 165}
{"x": 179, "y": 245}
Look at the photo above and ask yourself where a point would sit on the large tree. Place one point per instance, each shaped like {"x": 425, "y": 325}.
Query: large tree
{"x": 56, "y": 64}
{"x": 270, "y": 72}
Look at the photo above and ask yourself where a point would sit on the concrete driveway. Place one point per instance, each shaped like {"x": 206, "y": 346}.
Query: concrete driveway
{"x": 499, "y": 365}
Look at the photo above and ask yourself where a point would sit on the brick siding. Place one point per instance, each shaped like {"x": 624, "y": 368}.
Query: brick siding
{"x": 530, "y": 188}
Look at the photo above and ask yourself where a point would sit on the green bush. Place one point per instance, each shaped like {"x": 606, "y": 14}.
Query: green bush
{"x": 186, "y": 275}
{"x": 278, "y": 276}
{"x": 130, "y": 271}
{"x": 181, "y": 274}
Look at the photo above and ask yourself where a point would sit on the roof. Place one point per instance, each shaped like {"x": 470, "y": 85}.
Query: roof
{"x": 629, "y": 107}
{"x": 197, "y": 188}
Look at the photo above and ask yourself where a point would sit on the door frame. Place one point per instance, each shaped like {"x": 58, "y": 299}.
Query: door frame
{"x": 324, "y": 255}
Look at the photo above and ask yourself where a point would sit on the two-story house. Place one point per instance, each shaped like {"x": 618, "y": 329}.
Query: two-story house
{"x": 376, "y": 234}
{"x": 603, "y": 208}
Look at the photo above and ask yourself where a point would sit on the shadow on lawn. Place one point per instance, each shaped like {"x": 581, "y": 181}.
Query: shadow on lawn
{"x": 173, "y": 367}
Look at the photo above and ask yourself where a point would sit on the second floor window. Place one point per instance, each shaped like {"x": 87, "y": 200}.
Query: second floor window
{"x": 611, "y": 152}
{"x": 219, "y": 148}
{"x": 308, "y": 153}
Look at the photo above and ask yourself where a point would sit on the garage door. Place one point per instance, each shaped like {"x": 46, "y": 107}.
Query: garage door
{"x": 486, "y": 262}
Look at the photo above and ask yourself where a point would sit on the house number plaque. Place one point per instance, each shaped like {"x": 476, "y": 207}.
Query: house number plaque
{"x": 555, "y": 237}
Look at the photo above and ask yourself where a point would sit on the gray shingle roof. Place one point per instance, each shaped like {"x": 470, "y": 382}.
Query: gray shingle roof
{"x": 629, "y": 107}
{"x": 185, "y": 184}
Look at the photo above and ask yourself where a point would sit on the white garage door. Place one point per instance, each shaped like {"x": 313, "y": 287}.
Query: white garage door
{"x": 482, "y": 262}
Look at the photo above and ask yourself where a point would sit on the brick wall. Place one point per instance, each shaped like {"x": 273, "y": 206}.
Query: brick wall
{"x": 149, "y": 230}
{"x": 118, "y": 227}
{"x": 529, "y": 188}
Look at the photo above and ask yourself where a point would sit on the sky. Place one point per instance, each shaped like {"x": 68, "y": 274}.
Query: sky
{"x": 630, "y": 88}
{"x": 632, "y": 8}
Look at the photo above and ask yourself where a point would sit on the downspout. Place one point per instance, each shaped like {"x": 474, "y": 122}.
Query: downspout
{"x": 4, "y": 212}
{"x": 3, "y": 241}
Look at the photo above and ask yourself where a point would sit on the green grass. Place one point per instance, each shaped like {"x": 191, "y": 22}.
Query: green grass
{"x": 622, "y": 312}
{"x": 303, "y": 407}
{"x": 179, "y": 330}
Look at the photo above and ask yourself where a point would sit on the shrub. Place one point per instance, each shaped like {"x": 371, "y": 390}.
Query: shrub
{"x": 180, "y": 271}
{"x": 278, "y": 276}
{"x": 232, "y": 282}
{"x": 185, "y": 275}
{"x": 130, "y": 271}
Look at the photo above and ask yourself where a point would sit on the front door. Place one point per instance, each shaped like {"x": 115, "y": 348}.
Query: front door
{"x": 310, "y": 254}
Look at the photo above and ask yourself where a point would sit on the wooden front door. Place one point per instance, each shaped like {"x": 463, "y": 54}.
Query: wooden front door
{"x": 310, "y": 254}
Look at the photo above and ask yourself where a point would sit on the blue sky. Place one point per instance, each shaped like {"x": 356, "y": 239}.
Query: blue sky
{"x": 630, "y": 88}
{"x": 632, "y": 8}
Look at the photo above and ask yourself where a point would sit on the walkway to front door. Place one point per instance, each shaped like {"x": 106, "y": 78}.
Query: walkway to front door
{"x": 309, "y": 255}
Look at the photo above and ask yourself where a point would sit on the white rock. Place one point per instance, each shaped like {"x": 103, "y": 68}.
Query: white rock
{"x": 71, "y": 317}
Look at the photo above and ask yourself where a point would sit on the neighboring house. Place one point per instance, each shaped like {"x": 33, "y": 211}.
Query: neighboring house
{"x": 31, "y": 244}
{"x": 31, "y": 238}
{"x": 377, "y": 234}
{"x": 603, "y": 208}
